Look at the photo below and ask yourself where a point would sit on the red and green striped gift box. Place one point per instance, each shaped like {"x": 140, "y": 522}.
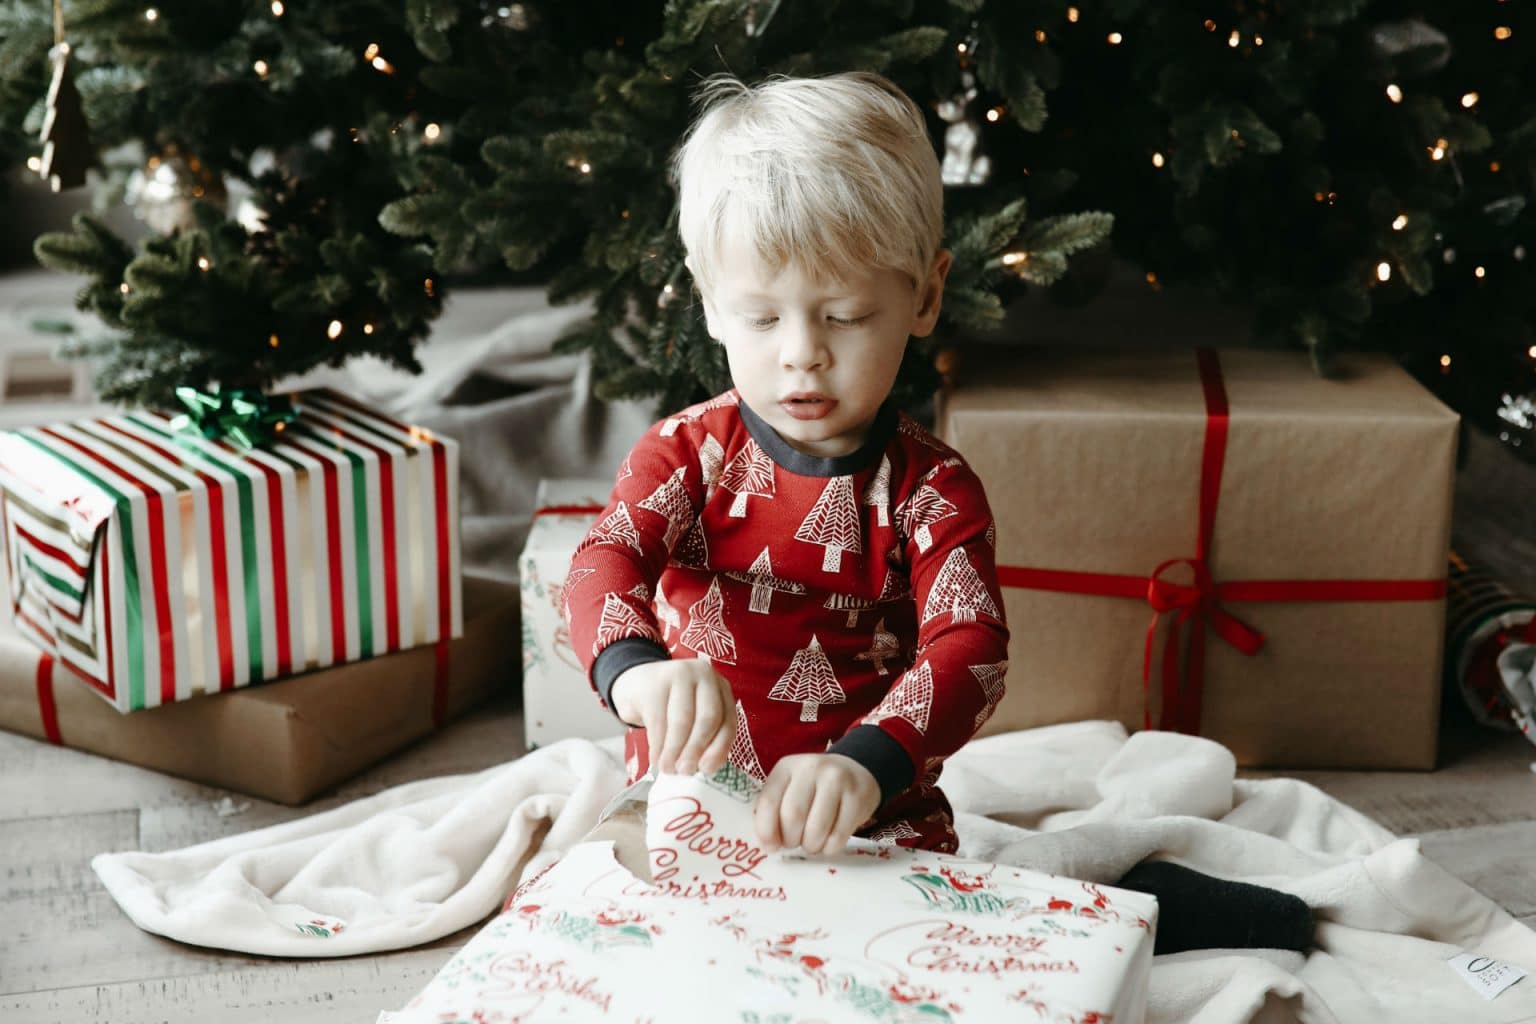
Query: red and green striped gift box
{"x": 160, "y": 565}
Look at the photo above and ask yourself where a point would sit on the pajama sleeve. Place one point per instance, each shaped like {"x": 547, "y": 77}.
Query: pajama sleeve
{"x": 956, "y": 679}
{"x": 608, "y": 592}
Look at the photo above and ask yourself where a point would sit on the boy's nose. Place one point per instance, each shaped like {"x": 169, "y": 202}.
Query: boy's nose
{"x": 802, "y": 348}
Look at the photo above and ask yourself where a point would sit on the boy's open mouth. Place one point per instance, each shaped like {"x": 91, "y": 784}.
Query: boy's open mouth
{"x": 807, "y": 405}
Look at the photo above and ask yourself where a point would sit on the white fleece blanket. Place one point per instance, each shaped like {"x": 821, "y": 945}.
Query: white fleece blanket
{"x": 426, "y": 859}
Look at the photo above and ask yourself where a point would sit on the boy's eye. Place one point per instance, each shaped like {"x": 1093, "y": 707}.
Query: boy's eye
{"x": 840, "y": 321}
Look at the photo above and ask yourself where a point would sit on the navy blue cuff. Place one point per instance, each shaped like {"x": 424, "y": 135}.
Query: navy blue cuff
{"x": 877, "y": 750}
{"x": 618, "y": 657}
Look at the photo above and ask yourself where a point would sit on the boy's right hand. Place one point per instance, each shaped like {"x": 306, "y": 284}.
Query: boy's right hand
{"x": 686, "y": 708}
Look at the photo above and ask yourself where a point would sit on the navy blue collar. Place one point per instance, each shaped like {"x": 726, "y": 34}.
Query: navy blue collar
{"x": 787, "y": 456}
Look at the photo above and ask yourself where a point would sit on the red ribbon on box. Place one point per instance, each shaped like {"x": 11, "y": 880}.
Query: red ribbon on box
{"x": 1200, "y": 601}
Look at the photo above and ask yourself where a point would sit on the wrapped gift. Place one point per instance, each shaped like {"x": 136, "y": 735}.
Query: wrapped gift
{"x": 724, "y": 931}
{"x": 284, "y": 741}
{"x": 558, "y": 702}
{"x": 161, "y": 565}
{"x": 1288, "y": 531}
{"x": 1485, "y": 618}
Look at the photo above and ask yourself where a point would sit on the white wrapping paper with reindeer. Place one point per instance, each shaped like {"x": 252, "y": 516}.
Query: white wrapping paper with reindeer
{"x": 558, "y": 702}
{"x": 726, "y": 932}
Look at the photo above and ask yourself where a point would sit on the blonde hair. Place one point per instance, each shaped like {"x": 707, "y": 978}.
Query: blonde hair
{"x": 828, "y": 174}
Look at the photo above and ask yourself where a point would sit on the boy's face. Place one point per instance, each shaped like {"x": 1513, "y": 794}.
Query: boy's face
{"x": 788, "y": 338}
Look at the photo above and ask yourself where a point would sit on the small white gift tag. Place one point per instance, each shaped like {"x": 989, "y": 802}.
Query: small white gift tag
{"x": 1487, "y": 976}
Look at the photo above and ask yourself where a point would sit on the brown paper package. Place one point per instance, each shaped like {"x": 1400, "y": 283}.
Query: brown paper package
{"x": 1091, "y": 462}
{"x": 287, "y": 740}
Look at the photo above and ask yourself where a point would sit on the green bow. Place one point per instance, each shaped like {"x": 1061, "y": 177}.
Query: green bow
{"x": 243, "y": 415}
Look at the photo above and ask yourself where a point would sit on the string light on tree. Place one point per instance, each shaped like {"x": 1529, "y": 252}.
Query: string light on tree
{"x": 203, "y": 264}
{"x": 277, "y": 12}
{"x": 261, "y": 68}
{"x": 272, "y": 340}
{"x": 1437, "y": 151}
{"x": 432, "y": 132}
{"x": 1503, "y": 32}
{"x": 367, "y": 328}
{"x": 1383, "y": 271}
{"x": 374, "y": 57}
{"x": 1479, "y": 272}
{"x": 1234, "y": 39}
{"x": 1073, "y": 14}
{"x": 1394, "y": 93}
{"x": 1399, "y": 222}
{"x": 334, "y": 330}
{"x": 151, "y": 15}
{"x": 1115, "y": 38}
{"x": 1157, "y": 160}
{"x": 1469, "y": 100}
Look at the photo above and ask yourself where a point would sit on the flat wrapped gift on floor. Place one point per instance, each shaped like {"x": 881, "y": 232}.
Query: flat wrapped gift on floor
{"x": 284, "y": 741}
{"x": 1288, "y": 531}
{"x": 162, "y": 565}
{"x": 723, "y": 931}
{"x": 558, "y": 702}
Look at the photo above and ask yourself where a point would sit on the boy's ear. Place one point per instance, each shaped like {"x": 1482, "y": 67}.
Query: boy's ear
{"x": 931, "y": 297}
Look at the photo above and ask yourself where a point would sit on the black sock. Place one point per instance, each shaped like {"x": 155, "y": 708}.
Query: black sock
{"x": 1197, "y": 911}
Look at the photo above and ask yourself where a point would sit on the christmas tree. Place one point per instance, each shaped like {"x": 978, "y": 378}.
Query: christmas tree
{"x": 1357, "y": 172}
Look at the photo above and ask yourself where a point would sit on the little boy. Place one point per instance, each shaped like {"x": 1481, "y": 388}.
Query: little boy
{"x": 794, "y": 574}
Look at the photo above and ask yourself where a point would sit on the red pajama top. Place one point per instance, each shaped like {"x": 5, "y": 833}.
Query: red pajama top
{"x": 851, "y": 601}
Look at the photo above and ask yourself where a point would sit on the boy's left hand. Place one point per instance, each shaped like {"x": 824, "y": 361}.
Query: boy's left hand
{"x": 815, "y": 802}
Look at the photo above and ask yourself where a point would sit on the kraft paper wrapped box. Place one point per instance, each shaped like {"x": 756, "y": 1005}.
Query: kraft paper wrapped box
{"x": 1309, "y": 608}
{"x": 716, "y": 929}
{"x": 558, "y": 702}
{"x": 161, "y": 565}
{"x": 285, "y": 741}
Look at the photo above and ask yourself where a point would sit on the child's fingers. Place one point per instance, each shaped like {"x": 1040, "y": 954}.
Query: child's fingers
{"x": 720, "y": 747}
{"x": 848, "y": 822}
{"x": 765, "y": 814}
{"x": 794, "y": 805}
{"x": 706, "y": 719}
{"x": 820, "y": 819}
{"x": 679, "y": 718}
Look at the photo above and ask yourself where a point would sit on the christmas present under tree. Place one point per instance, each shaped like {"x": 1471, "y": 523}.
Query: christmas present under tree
{"x": 1289, "y": 533}
{"x": 557, "y": 700}
{"x": 160, "y": 564}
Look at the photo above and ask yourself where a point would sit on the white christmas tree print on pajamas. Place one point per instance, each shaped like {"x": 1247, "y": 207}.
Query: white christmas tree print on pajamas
{"x": 809, "y": 584}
